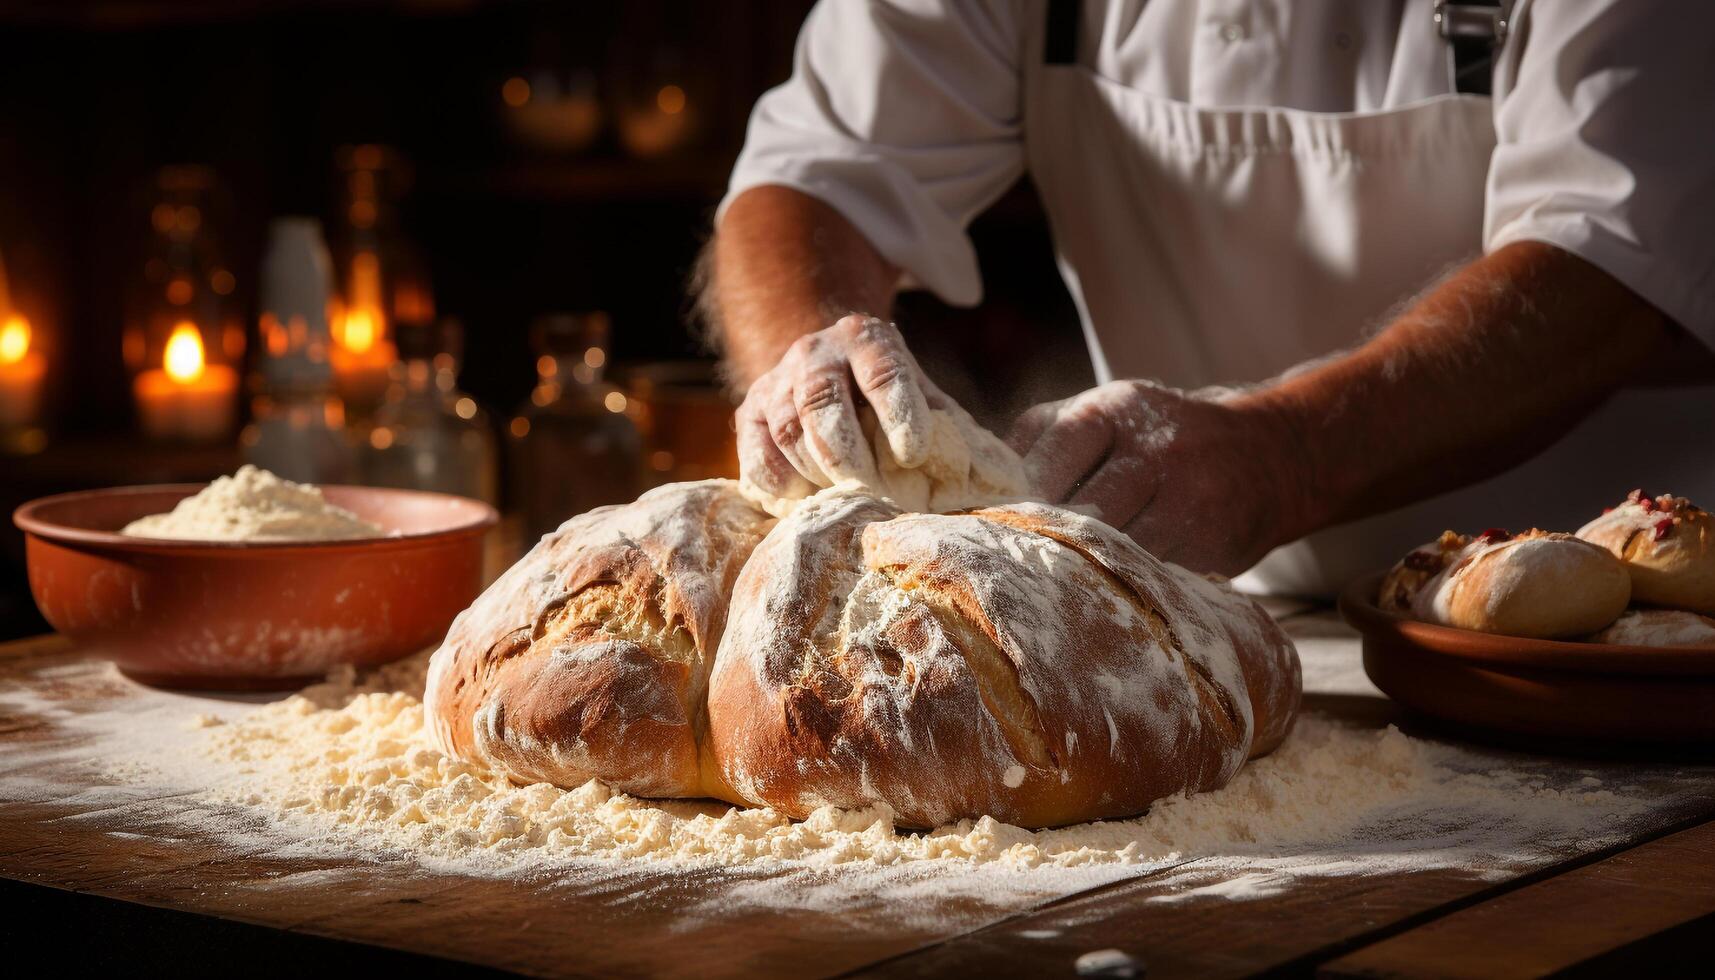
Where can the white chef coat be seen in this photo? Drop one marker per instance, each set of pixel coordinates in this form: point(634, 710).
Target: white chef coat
point(1237, 186)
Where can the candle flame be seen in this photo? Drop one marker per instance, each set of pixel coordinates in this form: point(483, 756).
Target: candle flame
point(359, 333)
point(14, 339)
point(364, 323)
point(184, 357)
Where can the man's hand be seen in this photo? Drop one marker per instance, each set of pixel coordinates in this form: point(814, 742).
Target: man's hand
point(1207, 481)
point(798, 427)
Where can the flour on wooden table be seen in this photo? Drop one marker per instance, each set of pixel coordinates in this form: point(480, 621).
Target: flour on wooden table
point(342, 773)
point(351, 756)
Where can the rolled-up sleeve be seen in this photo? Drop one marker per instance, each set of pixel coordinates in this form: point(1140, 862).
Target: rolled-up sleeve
point(1605, 120)
point(903, 115)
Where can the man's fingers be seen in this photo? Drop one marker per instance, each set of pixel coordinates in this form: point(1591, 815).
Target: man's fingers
point(891, 382)
point(1168, 536)
point(1071, 447)
point(1119, 490)
point(787, 431)
point(833, 437)
point(761, 463)
point(1154, 535)
point(1030, 426)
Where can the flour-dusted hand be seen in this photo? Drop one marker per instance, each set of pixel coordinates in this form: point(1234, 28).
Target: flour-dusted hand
point(1203, 479)
point(798, 428)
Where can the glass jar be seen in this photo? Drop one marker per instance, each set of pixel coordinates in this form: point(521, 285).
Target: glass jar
point(686, 416)
point(573, 444)
point(297, 427)
point(427, 434)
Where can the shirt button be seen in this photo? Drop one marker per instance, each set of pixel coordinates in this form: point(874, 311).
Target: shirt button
point(1232, 32)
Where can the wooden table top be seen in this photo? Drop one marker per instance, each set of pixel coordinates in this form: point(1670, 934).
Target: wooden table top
point(1566, 903)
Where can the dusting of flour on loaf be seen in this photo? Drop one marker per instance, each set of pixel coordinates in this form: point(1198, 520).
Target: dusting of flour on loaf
point(254, 505)
point(350, 759)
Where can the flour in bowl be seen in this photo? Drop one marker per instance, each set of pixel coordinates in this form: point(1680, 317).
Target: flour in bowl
point(255, 505)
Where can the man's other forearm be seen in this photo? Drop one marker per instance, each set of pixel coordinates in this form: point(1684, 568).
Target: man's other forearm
point(782, 265)
point(1485, 370)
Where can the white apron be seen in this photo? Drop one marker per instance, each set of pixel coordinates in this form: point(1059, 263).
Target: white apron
point(1206, 246)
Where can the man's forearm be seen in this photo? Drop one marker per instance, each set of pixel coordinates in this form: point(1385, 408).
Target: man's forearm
point(782, 265)
point(1487, 368)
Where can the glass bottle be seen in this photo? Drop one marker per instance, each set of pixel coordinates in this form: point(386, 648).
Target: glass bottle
point(298, 421)
point(574, 445)
point(429, 435)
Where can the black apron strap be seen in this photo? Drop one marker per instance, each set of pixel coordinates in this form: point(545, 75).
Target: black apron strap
point(1474, 31)
point(1061, 44)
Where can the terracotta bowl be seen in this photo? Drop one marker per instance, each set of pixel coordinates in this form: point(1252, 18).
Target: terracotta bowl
point(1507, 686)
point(245, 615)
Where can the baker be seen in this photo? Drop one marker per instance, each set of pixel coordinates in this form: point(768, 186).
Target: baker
point(1388, 266)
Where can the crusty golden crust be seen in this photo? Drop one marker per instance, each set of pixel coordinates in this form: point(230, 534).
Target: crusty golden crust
point(1021, 662)
point(590, 657)
point(1668, 546)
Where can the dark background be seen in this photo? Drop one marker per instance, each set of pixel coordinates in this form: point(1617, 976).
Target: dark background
point(95, 97)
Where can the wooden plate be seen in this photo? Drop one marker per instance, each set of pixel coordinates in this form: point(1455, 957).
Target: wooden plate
point(1509, 686)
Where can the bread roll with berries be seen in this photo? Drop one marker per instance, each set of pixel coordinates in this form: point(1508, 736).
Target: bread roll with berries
point(1538, 584)
point(1659, 628)
point(1406, 579)
point(1668, 546)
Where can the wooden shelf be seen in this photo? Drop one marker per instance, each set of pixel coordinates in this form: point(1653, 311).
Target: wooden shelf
point(578, 179)
point(111, 460)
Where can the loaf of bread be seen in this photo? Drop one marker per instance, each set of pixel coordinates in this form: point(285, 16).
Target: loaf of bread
point(1021, 661)
point(1659, 628)
point(1668, 546)
point(589, 659)
point(1538, 584)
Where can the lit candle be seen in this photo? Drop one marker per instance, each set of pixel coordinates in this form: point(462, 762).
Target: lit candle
point(21, 372)
point(187, 398)
point(362, 354)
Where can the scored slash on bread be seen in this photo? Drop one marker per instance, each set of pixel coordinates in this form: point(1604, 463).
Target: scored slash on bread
point(1022, 662)
point(1667, 544)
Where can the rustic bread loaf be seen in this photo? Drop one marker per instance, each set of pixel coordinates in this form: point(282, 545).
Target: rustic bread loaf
point(589, 659)
point(1658, 628)
point(1668, 546)
point(1022, 661)
point(1538, 584)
